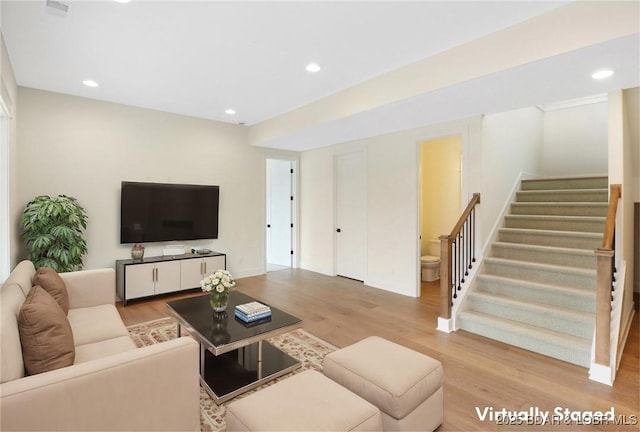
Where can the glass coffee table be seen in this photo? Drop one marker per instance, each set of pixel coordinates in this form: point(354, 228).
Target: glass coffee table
point(234, 356)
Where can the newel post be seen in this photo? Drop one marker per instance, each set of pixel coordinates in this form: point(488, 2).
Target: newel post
point(604, 280)
point(445, 276)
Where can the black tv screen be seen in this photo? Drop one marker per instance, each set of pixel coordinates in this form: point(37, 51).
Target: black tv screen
point(154, 212)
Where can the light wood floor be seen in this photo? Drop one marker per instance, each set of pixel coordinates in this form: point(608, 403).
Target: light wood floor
point(479, 372)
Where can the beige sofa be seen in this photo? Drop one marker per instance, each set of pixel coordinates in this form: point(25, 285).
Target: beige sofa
point(112, 385)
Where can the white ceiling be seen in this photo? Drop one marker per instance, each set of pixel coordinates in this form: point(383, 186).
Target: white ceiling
point(200, 58)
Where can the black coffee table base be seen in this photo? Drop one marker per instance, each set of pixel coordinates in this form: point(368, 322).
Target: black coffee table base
point(227, 375)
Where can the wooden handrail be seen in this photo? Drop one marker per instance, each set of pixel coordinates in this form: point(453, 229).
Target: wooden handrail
point(458, 226)
point(615, 193)
point(605, 258)
point(447, 260)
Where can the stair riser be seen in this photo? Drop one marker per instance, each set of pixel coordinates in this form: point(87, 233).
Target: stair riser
point(568, 183)
point(558, 351)
point(559, 209)
point(532, 293)
point(544, 239)
point(566, 323)
point(545, 257)
point(542, 275)
point(551, 196)
point(555, 225)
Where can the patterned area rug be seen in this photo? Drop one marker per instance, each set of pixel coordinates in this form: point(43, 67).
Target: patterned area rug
point(300, 344)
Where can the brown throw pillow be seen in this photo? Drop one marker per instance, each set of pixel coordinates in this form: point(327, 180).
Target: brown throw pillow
point(45, 333)
point(52, 283)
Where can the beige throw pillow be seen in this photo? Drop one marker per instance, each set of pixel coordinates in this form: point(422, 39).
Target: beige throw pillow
point(52, 283)
point(45, 333)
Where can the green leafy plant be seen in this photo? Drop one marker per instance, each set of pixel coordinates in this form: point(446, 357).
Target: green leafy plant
point(52, 229)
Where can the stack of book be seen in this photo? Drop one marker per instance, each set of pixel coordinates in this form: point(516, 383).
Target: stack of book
point(253, 311)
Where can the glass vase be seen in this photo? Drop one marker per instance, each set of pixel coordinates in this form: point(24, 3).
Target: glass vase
point(219, 334)
point(219, 300)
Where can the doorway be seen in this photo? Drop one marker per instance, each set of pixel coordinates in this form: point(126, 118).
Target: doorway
point(280, 214)
point(440, 200)
point(351, 215)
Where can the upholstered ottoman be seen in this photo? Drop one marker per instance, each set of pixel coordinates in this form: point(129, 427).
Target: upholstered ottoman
point(406, 385)
point(308, 401)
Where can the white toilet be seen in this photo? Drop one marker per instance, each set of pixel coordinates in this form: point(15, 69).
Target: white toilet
point(431, 263)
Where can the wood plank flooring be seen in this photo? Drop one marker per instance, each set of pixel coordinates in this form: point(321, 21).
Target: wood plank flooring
point(479, 373)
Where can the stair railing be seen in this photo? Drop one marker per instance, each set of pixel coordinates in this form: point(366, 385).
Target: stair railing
point(457, 255)
point(605, 277)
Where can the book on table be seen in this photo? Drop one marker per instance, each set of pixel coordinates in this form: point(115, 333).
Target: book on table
point(254, 317)
point(253, 308)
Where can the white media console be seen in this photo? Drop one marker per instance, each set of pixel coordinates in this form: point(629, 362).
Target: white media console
point(164, 274)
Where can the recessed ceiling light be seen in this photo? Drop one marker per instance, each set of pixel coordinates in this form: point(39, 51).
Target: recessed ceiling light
point(230, 111)
point(602, 74)
point(90, 83)
point(122, 1)
point(313, 67)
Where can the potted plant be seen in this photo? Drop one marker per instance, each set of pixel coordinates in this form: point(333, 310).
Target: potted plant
point(52, 229)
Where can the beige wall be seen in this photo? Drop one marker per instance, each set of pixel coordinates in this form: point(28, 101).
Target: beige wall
point(579, 130)
point(85, 148)
point(511, 148)
point(440, 170)
point(393, 193)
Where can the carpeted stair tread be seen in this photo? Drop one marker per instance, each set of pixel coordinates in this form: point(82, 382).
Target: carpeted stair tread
point(570, 257)
point(539, 272)
point(571, 322)
point(568, 239)
point(593, 224)
point(560, 208)
point(551, 343)
point(595, 182)
point(541, 266)
point(564, 195)
point(555, 232)
point(579, 299)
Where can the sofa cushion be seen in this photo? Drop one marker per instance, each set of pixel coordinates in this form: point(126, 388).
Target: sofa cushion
point(98, 350)
point(11, 365)
point(22, 275)
point(96, 324)
point(45, 333)
point(52, 283)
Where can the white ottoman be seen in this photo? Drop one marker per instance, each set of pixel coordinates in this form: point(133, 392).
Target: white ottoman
point(406, 385)
point(308, 401)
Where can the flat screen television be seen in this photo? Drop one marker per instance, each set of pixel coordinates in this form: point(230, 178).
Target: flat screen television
point(156, 212)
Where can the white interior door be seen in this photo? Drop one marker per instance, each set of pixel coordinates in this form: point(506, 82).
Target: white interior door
point(351, 215)
point(279, 212)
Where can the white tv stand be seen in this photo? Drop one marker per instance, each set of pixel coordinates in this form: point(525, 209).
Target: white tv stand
point(164, 274)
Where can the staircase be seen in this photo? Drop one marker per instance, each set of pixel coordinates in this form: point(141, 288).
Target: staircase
point(536, 287)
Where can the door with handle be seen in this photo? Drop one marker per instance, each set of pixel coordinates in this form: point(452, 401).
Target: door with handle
point(279, 212)
point(351, 216)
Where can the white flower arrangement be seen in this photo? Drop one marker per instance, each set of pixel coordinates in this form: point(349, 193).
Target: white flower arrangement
point(220, 280)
